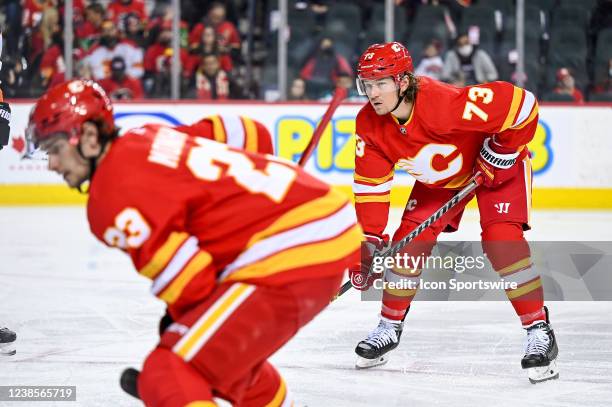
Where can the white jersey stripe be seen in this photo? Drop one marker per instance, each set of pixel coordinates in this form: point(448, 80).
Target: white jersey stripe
point(234, 130)
point(318, 230)
point(176, 265)
point(526, 108)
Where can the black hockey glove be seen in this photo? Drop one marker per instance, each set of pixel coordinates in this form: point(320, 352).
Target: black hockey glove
point(5, 119)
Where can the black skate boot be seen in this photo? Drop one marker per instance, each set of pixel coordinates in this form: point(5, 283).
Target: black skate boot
point(373, 350)
point(541, 351)
point(7, 342)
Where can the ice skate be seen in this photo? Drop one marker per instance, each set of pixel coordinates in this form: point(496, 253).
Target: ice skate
point(373, 350)
point(541, 351)
point(7, 342)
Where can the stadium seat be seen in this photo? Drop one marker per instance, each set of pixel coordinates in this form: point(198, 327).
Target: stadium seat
point(557, 97)
point(422, 35)
point(566, 41)
point(577, 67)
point(585, 4)
point(573, 16)
point(603, 54)
point(545, 5)
point(600, 97)
point(377, 22)
point(505, 6)
point(348, 12)
point(481, 16)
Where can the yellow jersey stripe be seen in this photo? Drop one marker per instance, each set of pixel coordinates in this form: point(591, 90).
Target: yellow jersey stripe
point(279, 397)
point(218, 129)
point(517, 95)
point(197, 263)
point(201, 404)
point(308, 212)
point(527, 288)
point(397, 292)
point(251, 134)
point(521, 264)
point(380, 180)
point(458, 181)
point(205, 327)
point(372, 198)
point(164, 254)
point(301, 256)
point(533, 114)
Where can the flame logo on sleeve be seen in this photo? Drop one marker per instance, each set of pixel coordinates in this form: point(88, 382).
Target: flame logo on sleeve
point(421, 166)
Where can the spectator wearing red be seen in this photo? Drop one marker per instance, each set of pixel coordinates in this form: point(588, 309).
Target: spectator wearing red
point(229, 38)
point(118, 9)
point(109, 46)
point(209, 44)
point(157, 59)
point(133, 30)
point(321, 70)
point(120, 86)
point(212, 83)
point(566, 85)
point(605, 86)
point(90, 30)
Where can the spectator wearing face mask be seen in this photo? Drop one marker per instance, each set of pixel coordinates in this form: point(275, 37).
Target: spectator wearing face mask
point(475, 64)
point(431, 64)
point(227, 33)
point(120, 86)
point(321, 70)
point(566, 85)
point(110, 46)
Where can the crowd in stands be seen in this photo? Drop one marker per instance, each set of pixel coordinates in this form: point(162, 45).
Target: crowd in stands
point(126, 45)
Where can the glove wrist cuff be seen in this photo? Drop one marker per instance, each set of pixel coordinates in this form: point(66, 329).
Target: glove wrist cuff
point(503, 161)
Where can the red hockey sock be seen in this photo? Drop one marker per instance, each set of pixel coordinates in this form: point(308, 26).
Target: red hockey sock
point(268, 389)
point(167, 380)
point(510, 256)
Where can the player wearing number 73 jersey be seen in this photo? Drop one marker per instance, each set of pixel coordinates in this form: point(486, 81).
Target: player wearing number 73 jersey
point(243, 248)
point(442, 135)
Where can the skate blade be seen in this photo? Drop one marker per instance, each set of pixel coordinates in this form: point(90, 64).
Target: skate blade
point(8, 349)
point(543, 373)
point(363, 363)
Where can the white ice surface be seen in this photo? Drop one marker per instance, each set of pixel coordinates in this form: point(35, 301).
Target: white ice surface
point(82, 315)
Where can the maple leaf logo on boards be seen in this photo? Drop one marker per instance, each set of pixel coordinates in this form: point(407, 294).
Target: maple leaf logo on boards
point(19, 144)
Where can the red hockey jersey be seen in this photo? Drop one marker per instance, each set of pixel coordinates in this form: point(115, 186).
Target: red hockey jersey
point(439, 143)
point(235, 131)
point(192, 213)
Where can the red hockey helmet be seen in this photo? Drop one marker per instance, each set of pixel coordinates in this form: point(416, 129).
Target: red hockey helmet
point(379, 61)
point(65, 107)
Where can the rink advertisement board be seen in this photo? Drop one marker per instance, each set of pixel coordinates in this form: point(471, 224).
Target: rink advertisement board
point(570, 151)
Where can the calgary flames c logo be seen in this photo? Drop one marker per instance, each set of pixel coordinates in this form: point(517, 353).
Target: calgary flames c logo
point(420, 166)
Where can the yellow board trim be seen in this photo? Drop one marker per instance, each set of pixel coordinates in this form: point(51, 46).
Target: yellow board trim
point(198, 263)
point(164, 254)
point(250, 131)
point(301, 256)
point(514, 106)
point(543, 198)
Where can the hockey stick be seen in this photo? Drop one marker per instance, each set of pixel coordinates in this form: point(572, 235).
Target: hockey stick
point(339, 95)
point(475, 182)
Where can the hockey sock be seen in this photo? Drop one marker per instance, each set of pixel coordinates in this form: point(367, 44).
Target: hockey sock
point(510, 256)
point(268, 389)
point(167, 380)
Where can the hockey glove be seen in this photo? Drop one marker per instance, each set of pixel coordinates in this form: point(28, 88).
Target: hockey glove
point(359, 274)
point(5, 118)
point(496, 163)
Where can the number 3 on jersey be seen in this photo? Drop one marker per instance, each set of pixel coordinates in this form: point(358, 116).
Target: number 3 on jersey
point(273, 181)
point(475, 93)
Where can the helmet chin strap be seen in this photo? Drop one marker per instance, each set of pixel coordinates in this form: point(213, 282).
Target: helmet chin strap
point(92, 161)
point(400, 97)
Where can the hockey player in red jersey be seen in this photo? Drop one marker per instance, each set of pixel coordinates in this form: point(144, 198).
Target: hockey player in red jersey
point(243, 248)
point(442, 135)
